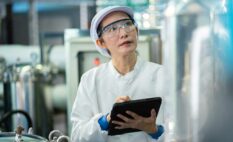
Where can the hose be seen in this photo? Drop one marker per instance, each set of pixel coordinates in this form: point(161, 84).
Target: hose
point(10, 113)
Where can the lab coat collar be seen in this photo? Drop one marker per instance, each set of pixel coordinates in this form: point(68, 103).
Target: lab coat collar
point(130, 75)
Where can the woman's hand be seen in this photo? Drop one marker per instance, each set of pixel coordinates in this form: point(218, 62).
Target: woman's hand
point(121, 99)
point(146, 124)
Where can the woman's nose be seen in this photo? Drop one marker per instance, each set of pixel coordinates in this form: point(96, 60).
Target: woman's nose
point(122, 32)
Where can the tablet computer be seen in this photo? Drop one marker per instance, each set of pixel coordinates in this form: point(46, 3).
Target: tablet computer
point(141, 107)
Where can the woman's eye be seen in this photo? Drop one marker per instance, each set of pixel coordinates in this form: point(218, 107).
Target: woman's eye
point(113, 28)
point(109, 30)
point(128, 24)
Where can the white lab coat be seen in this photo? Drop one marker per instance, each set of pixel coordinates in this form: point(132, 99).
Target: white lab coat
point(96, 95)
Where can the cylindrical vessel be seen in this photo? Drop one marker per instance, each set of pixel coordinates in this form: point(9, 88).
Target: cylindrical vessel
point(10, 137)
point(193, 69)
point(24, 87)
point(43, 120)
point(9, 95)
point(219, 126)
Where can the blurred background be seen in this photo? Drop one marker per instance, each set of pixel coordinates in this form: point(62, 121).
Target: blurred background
point(45, 47)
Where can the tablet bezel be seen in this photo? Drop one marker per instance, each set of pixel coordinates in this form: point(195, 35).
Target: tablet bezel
point(142, 107)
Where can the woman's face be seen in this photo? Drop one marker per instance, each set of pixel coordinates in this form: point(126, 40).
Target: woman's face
point(119, 35)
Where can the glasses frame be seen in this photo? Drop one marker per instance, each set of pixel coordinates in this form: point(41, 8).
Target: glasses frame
point(102, 31)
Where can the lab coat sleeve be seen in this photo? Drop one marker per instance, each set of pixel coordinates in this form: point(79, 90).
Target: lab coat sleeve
point(84, 116)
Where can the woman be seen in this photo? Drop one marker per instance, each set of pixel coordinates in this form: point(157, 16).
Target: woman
point(125, 77)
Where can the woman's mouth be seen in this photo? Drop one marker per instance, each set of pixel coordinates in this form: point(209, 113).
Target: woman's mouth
point(126, 43)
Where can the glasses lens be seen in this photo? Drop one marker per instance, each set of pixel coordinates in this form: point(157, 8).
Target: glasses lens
point(113, 29)
point(128, 26)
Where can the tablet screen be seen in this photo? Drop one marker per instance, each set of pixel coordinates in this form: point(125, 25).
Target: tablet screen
point(141, 107)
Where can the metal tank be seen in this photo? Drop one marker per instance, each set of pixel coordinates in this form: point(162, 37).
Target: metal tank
point(222, 100)
point(198, 72)
point(33, 80)
point(24, 90)
point(21, 136)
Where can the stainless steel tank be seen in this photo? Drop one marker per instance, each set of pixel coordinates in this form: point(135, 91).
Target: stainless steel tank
point(10, 137)
point(198, 72)
point(20, 135)
point(24, 87)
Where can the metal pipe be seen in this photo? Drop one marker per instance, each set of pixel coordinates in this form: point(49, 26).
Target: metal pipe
point(33, 23)
point(9, 23)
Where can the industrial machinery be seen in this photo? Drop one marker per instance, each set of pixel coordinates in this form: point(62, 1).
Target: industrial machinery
point(27, 95)
point(23, 83)
point(20, 136)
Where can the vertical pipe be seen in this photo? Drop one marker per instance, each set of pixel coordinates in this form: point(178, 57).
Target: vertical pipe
point(9, 24)
point(33, 23)
point(83, 16)
point(7, 99)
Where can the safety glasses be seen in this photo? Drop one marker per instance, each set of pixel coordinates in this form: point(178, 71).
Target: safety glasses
point(112, 29)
